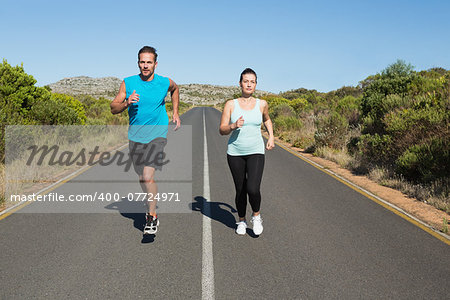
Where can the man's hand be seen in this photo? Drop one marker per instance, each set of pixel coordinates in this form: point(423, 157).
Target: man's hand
point(134, 98)
point(177, 121)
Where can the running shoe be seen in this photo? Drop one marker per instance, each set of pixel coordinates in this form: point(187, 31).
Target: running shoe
point(151, 224)
point(257, 224)
point(241, 227)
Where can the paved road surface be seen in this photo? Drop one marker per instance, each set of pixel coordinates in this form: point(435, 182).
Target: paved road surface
point(321, 240)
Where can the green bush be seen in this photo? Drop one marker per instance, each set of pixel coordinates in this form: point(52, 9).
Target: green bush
point(273, 101)
point(426, 162)
point(53, 112)
point(72, 103)
point(373, 111)
point(401, 122)
point(281, 110)
point(18, 94)
point(182, 106)
point(355, 92)
point(299, 105)
point(331, 131)
point(86, 101)
point(289, 129)
point(375, 149)
point(349, 107)
point(429, 83)
point(395, 79)
point(395, 102)
point(22, 103)
point(99, 113)
point(287, 123)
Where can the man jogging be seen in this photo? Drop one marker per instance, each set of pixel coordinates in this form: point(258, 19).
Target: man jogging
point(144, 95)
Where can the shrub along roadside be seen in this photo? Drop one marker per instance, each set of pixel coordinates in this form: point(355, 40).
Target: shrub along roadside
point(397, 120)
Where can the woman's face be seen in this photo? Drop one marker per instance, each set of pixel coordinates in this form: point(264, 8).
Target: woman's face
point(248, 84)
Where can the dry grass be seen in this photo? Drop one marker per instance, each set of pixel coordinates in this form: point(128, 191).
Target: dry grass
point(20, 178)
point(435, 194)
point(379, 175)
point(302, 138)
point(341, 157)
point(182, 108)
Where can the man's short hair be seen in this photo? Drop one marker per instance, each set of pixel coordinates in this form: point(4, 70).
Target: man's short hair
point(248, 71)
point(147, 49)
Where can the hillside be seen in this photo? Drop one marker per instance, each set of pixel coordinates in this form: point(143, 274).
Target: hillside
point(107, 87)
point(82, 85)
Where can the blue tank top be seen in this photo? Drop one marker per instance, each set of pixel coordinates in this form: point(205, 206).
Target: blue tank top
point(247, 139)
point(148, 117)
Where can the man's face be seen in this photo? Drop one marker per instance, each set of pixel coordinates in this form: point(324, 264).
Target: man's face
point(147, 64)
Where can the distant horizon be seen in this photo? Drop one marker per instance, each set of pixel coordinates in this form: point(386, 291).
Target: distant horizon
point(221, 85)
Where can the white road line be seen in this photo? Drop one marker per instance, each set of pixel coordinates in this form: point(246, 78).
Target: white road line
point(207, 254)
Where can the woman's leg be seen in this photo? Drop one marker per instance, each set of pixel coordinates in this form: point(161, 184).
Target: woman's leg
point(237, 167)
point(254, 170)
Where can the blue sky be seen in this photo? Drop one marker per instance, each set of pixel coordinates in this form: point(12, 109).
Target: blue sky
point(320, 45)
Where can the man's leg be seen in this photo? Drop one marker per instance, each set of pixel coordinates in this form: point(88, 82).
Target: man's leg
point(148, 184)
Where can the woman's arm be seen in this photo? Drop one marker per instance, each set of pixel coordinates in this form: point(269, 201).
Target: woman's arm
point(268, 125)
point(225, 126)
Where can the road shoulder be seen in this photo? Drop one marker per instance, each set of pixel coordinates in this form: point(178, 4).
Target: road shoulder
point(422, 211)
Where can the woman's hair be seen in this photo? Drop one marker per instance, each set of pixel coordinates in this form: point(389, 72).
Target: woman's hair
point(248, 71)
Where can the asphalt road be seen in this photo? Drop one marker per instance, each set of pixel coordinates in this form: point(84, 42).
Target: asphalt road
point(321, 239)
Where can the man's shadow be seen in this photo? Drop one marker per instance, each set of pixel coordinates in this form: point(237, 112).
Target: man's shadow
point(217, 213)
point(134, 210)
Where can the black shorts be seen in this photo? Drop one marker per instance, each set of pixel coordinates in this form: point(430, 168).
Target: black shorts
point(150, 154)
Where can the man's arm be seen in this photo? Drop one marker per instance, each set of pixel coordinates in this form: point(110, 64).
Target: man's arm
point(119, 104)
point(175, 95)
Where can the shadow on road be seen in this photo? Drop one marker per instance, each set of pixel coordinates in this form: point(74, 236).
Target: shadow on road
point(134, 210)
point(219, 211)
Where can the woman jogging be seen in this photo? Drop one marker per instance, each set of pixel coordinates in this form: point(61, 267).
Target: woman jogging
point(242, 118)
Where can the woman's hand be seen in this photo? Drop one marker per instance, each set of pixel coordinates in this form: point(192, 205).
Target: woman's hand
point(239, 123)
point(270, 143)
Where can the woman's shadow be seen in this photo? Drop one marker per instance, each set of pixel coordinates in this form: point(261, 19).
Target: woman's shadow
point(134, 210)
point(216, 212)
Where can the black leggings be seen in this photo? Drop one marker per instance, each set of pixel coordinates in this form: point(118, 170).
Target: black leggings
point(247, 174)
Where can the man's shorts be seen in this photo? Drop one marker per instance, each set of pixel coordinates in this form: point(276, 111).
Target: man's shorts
point(150, 154)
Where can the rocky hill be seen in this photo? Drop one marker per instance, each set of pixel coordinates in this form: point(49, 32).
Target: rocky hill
point(97, 87)
point(107, 87)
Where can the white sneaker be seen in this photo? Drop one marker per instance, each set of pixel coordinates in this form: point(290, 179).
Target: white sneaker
point(241, 227)
point(257, 224)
